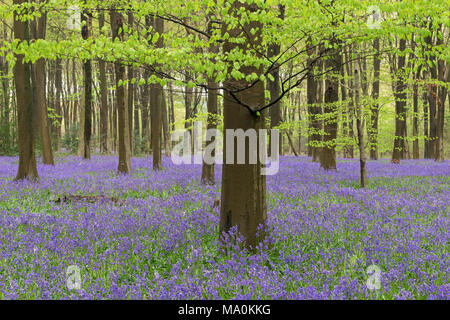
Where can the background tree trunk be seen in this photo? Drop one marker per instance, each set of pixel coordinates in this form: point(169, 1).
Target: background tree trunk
point(130, 91)
point(87, 67)
point(38, 84)
point(103, 96)
point(121, 100)
point(360, 129)
point(400, 104)
point(156, 105)
point(314, 110)
point(373, 136)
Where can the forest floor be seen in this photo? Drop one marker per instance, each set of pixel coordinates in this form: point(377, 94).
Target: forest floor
point(154, 235)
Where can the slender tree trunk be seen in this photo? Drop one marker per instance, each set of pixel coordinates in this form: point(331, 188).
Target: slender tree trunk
point(58, 109)
point(172, 107)
point(156, 99)
point(274, 86)
point(75, 91)
point(443, 75)
point(103, 96)
point(26, 111)
point(121, 99)
point(208, 168)
point(87, 67)
point(415, 119)
point(432, 93)
point(373, 135)
point(38, 84)
point(165, 124)
point(188, 104)
point(130, 90)
point(426, 132)
point(4, 69)
point(350, 109)
point(136, 132)
point(314, 110)
point(145, 98)
point(400, 104)
point(360, 129)
point(243, 187)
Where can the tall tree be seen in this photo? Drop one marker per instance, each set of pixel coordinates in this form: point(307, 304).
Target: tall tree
point(243, 200)
point(117, 20)
point(400, 103)
point(26, 110)
point(131, 87)
point(103, 95)
point(443, 76)
point(374, 110)
point(86, 25)
point(431, 95)
point(208, 168)
point(314, 109)
point(360, 129)
point(156, 100)
point(38, 27)
point(274, 86)
point(328, 154)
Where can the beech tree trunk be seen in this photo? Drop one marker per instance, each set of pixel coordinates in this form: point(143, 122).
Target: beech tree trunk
point(103, 96)
point(432, 101)
point(26, 111)
point(373, 134)
point(328, 154)
point(87, 67)
point(243, 202)
point(274, 86)
point(360, 129)
point(314, 110)
point(156, 100)
point(121, 100)
point(57, 103)
point(39, 92)
point(350, 109)
point(165, 124)
point(130, 91)
point(443, 75)
point(400, 105)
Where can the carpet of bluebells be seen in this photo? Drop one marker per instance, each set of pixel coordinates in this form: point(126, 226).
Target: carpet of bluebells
point(154, 235)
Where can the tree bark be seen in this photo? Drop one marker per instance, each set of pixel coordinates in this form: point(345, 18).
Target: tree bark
point(432, 101)
point(103, 95)
point(165, 124)
point(400, 104)
point(328, 154)
point(207, 168)
point(130, 91)
point(314, 110)
point(360, 129)
point(243, 202)
point(443, 76)
point(121, 100)
point(274, 86)
point(26, 111)
point(38, 84)
point(156, 100)
point(373, 135)
point(350, 109)
point(87, 67)
point(57, 102)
